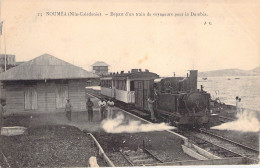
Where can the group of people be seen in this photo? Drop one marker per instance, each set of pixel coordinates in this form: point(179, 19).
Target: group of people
point(103, 108)
point(239, 105)
point(106, 106)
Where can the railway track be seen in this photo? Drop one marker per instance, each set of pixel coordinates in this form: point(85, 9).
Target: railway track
point(223, 119)
point(216, 144)
point(235, 146)
point(140, 157)
point(221, 146)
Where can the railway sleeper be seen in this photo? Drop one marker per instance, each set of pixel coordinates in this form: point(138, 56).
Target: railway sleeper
point(142, 161)
point(225, 153)
point(201, 143)
point(139, 157)
point(215, 149)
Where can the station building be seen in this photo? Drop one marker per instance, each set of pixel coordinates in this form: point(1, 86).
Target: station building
point(100, 68)
point(43, 84)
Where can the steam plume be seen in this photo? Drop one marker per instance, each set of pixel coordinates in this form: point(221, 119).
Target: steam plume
point(119, 125)
point(246, 122)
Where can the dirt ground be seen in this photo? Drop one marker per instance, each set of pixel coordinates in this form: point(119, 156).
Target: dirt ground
point(51, 140)
point(47, 143)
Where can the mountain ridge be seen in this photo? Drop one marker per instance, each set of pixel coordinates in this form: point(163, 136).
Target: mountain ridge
point(231, 72)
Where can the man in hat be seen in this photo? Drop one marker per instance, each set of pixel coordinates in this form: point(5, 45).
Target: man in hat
point(1, 115)
point(237, 103)
point(90, 105)
point(110, 107)
point(102, 105)
point(68, 108)
point(240, 106)
point(150, 107)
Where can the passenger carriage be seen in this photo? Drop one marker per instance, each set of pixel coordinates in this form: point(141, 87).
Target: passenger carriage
point(132, 88)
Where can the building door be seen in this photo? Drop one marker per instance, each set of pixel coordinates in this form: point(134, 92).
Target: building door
point(61, 95)
point(139, 96)
point(30, 98)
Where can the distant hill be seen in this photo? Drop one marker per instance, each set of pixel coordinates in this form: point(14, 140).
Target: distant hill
point(256, 70)
point(231, 72)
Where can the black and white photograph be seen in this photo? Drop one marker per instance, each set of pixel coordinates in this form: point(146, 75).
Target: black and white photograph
point(129, 83)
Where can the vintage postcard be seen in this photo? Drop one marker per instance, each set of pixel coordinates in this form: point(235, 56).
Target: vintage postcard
point(131, 83)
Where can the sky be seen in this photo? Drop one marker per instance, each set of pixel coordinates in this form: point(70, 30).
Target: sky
point(229, 39)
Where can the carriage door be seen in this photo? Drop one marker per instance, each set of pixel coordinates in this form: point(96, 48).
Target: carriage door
point(139, 96)
point(146, 94)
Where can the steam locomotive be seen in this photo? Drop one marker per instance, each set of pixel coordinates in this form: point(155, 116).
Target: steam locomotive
point(177, 99)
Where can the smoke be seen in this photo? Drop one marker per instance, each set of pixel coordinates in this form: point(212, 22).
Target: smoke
point(246, 122)
point(119, 125)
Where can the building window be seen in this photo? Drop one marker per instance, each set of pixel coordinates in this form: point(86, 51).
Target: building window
point(30, 98)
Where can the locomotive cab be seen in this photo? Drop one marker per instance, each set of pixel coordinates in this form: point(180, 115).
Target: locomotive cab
point(179, 100)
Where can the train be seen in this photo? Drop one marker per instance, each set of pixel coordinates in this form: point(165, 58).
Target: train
point(176, 99)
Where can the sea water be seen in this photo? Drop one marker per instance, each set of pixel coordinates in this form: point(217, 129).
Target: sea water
point(227, 88)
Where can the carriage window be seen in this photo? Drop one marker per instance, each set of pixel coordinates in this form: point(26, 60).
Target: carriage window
point(110, 84)
point(132, 86)
point(124, 85)
point(121, 84)
point(117, 84)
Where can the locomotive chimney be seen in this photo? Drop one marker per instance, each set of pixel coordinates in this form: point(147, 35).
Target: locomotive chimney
point(193, 79)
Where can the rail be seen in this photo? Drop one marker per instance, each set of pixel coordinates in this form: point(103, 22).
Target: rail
point(224, 119)
point(101, 151)
point(216, 145)
point(228, 140)
point(232, 146)
point(141, 157)
point(6, 161)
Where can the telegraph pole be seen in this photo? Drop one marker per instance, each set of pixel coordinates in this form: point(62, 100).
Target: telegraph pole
point(4, 44)
point(1, 25)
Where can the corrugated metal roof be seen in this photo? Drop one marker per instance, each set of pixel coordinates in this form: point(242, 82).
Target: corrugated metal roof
point(46, 67)
point(100, 63)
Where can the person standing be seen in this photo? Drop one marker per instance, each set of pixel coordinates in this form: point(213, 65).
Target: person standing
point(237, 102)
point(150, 107)
point(90, 105)
point(1, 115)
point(68, 108)
point(240, 106)
point(110, 107)
point(102, 108)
